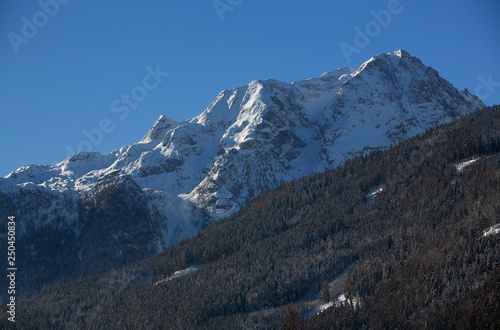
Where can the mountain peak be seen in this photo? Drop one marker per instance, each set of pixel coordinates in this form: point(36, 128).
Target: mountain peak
point(163, 119)
point(398, 53)
point(401, 53)
point(183, 175)
point(160, 127)
point(387, 59)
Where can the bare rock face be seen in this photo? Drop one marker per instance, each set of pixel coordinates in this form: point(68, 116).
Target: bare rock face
point(92, 212)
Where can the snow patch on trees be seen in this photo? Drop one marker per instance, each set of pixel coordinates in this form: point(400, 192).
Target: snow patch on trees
point(371, 196)
point(178, 273)
point(493, 230)
point(460, 166)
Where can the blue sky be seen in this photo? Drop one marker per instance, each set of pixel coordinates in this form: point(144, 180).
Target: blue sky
point(67, 66)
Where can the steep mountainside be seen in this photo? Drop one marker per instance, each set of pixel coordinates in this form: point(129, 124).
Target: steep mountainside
point(405, 238)
point(92, 211)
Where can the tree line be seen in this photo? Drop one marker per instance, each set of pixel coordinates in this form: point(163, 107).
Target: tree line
point(415, 256)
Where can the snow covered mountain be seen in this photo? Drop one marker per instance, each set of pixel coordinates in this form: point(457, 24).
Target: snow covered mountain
point(106, 210)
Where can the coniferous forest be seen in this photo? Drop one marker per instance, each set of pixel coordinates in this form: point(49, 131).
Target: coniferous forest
point(414, 255)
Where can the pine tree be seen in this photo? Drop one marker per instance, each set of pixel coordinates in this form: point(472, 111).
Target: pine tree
point(293, 319)
point(326, 292)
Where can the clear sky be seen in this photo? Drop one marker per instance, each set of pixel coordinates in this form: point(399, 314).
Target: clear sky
point(95, 74)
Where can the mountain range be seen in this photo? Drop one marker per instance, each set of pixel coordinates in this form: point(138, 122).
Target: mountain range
point(92, 212)
point(405, 238)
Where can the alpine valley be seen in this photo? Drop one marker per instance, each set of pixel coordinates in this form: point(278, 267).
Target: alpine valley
point(93, 212)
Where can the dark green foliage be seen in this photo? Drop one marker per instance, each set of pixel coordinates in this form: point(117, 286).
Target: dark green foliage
point(416, 255)
point(325, 292)
point(293, 319)
point(111, 227)
point(480, 308)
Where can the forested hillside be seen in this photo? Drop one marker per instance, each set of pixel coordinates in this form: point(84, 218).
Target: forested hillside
point(92, 212)
point(411, 255)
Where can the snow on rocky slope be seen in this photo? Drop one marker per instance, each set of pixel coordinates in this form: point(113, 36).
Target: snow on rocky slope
point(250, 139)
